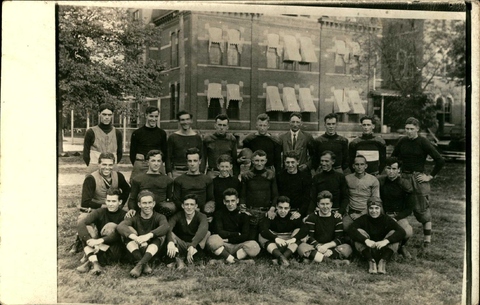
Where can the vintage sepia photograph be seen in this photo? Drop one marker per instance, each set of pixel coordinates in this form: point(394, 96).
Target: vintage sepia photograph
point(223, 153)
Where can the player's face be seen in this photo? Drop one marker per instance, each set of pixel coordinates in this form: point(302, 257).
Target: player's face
point(291, 164)
point(105, 167)
point(295, 123)
point(326, 162)
point(193, 162)
point(331, 126)
point(106, 116)
point(225, 168)
point(185, 121)
point(262, 127)
point(146, 205)
point(221, 126)
point(189, 206)
point(393, 171)
point(231, 202)
point(152, 119)
point(411, 130)
point(359, 165)
point(283, 208)
point(154, 163)
point(367, 126)
point(325, 206)
point(374, 211)
point(112, 203)
point(259, 162)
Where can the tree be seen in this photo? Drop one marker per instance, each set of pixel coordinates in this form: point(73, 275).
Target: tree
point(100, 59)
point(457, 53)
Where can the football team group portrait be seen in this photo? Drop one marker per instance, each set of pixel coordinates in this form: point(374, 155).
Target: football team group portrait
point(243, 157)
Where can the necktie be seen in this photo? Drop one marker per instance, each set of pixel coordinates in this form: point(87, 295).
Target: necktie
point(294, 140)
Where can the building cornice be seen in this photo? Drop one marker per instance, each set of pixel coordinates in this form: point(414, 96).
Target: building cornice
point(347, 25)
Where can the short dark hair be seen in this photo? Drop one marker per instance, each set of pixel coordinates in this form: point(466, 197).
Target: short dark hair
point(154, 152)
point(292, 154)
point(367, 117)
point(145, 193)
point(259, 153)
point(330, 116)
point(297, 114)
point(230, 192)
point(192, 151)
point(151, 109)
point(114, 192)
point(182, 112)
point(413, 121)
point(104, 106)
point(324, 195)
point(392, 160)
point(328, 152)
point(263, 117)
point(106, 155)
point(224, 158)
point(222, 117)
point(360, 156)
point(283, 199)
point(190, 196)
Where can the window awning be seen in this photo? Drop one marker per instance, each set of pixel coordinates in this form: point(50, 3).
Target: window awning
point(340, 47)
point(274, 42)
point(214, 91)
point(341, 104)
point(233, 94)
point(356, 102)
point(234, 39)
point(306, 101)
point(290, 100)
point(291, 51)
point(355, 48)
point(274, 103)
point(307, 50)
point(215, 36)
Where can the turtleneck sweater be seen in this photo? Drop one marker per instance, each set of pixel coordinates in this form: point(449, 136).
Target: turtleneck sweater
point(259, 189)
point(90, 139)
point(377, 229)
point(145, 139)
point(215, 145)
point(335, 143)
point(232, 225)
point(373, 148)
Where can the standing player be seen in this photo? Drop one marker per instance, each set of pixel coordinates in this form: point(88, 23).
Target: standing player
point(146, 138)
point(413, 150)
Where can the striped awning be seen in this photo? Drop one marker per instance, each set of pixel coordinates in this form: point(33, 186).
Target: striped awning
point(306, 101)
point(290, 100)
point(307, 51)
point(274, 103)
point(340, 47)
point(291, 51)
point(214, 91)
point(215, 36)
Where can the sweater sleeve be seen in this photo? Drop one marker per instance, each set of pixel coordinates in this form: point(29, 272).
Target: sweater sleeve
point(353, 232)
point(351, 154)
point(344, 193)
point(163, 145)
point(168, 159)
point(399, 232)
point(265, 229)
point(172, 222)
point(309, 226)
point(202, 229)
point(437, 158)
point(274, 191)
point(87, 144)
point(339, 234)
point(119, 145)
point(345, 160)
point(124, 227)
point(303, 232)
point(82, 225)
point(133, 147)
point(163, 226)
point(277, 155)
point(124, 187)
point(376, 187)
point(88, 192)
point(170, 190)
point(315, 155)
point(218, 223)
point(382, 149)
point(132, 200)
point(177, 193)
point(244, 230)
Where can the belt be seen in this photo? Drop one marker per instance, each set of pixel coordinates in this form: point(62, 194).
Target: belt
point(181, 168)
point(258, 208)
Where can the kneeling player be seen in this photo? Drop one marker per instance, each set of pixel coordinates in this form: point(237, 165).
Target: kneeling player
point(326, 236)
point(144, 233)
point(281, 235)
point(107, 244)
point(233, 230)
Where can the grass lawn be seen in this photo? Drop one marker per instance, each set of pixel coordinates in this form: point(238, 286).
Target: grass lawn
point(436, 279)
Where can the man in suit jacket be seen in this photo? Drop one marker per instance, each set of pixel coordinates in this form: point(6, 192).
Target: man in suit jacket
point(303, 141)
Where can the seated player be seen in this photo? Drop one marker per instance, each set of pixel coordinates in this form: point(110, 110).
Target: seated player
point(281, 235)
point(155, 181)
point(105, 244)
point(188, 232)
point(376, 236)
point(224, 180)
point(144, 233)
point(325, 231)
point(94, 190)
point(232, 227)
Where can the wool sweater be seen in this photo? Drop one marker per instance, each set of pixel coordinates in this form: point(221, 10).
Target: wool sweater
point(337, 144)
point(160, 185)
point(269, 228)
point(371, 147)
point(324, 229)
point(259, 189)
point(297, 188)
point(157, 225)
point(232, 225)
point(100, 217)
point(192, 232)
point(145, 139)
point(377, 229)
point(335, 183)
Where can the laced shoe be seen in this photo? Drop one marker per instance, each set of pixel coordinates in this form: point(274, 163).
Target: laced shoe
point(147, 269)
point(136, 271)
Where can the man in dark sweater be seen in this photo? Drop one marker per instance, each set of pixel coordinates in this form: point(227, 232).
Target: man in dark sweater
point(413, 150)
point(395, 193)
point(332, 181)
point(146, 138)
point(194, 182)
point(259, 192)
point(294, 184)
point(217, 144)
point(178, 143)
point(262, 140)
point(158, 183)
point(232, 229)
point(325, 231)
point(144, 233)
point(188, 232)
point(224, 180)
point(370, 146)
point(102, 138)
point(333, 142)
point(104, 242)
point(282, 235)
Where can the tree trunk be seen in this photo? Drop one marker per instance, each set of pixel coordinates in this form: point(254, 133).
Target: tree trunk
point(59, 128)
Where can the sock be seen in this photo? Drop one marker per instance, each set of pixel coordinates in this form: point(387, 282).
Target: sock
point(241, 254)
point(146, 258)
point(312, 255)
point(335, 254)
point(292, 247)
point(93, 258)
point(276, 253)
point(137, 256)
point(287, 253)
point(224, 254)
point(427, 232)
point(386, 253)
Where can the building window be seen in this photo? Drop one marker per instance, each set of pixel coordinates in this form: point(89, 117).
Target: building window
point(340, 66)
point(289, 65)
point(447, 110)
point(173, 49)
point(355, 65)
point(275, 116)
point(306, 116)
point(304, 66)
point(214, 109)
point(272, 58)
point(233, 110)
point(136, 15)
point(173, 103)
point(215, 46)
point(234, 48)
point(215, 55)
